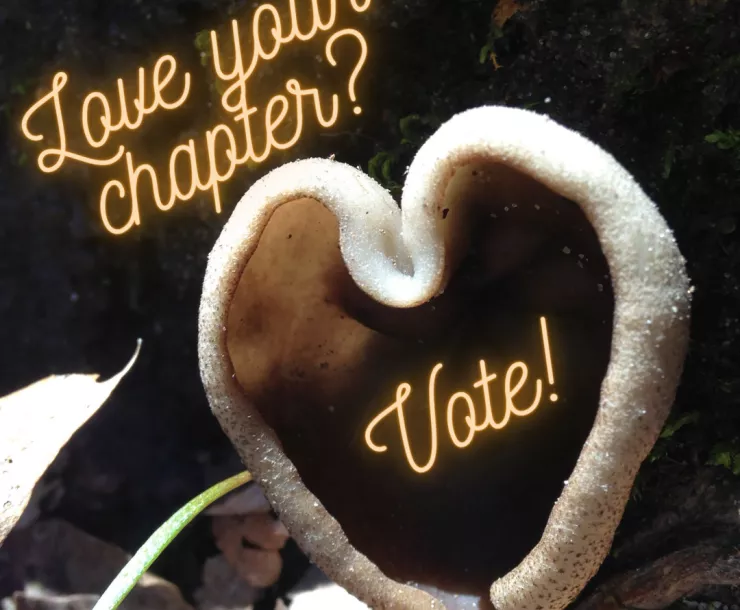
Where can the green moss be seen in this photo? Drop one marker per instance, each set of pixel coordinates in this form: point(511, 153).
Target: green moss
point(725, 140)
point(388, 166)
point(203, 44)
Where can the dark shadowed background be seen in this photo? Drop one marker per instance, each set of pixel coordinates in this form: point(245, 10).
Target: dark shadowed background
point(656, 83)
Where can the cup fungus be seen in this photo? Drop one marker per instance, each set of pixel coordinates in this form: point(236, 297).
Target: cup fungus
point(459, 391)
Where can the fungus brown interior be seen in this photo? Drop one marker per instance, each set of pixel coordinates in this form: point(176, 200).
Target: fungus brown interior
point(320, 359)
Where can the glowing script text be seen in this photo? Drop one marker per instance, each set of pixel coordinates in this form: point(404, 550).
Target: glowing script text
point(206, 164)
point(516, 377)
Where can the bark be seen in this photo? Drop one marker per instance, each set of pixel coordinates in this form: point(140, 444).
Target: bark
point(664, 581)
point(692, 543)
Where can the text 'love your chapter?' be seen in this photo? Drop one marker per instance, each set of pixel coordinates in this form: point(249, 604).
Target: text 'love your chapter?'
point(248, 136)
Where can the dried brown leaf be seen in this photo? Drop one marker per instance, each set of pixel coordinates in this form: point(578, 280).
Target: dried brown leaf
point(223, 589)
point(243, 501)
point(35, 423)
point(505, 10)
point(241, 540)
point(41, 600)
point(64, 568)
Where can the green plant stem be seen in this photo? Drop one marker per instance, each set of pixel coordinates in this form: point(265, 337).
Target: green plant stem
point(160, 539)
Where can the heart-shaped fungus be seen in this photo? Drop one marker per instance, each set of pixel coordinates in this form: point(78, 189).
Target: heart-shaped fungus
point(417, 388)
